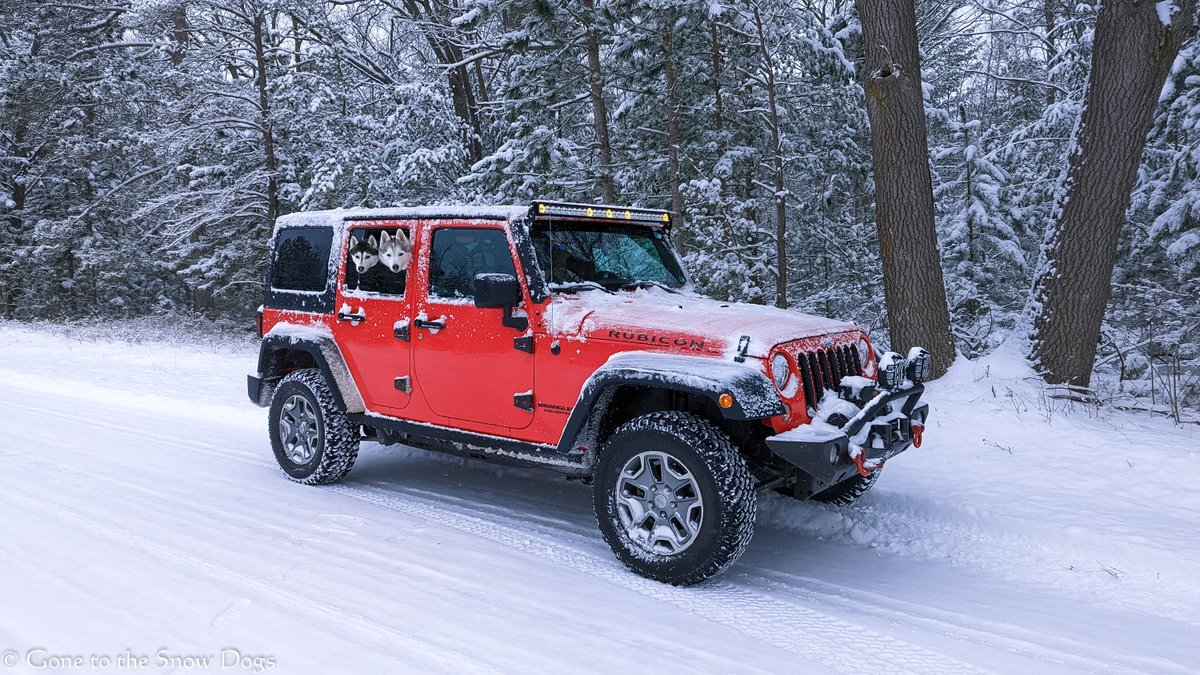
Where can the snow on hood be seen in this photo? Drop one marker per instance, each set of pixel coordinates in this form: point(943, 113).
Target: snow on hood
point(684, 316)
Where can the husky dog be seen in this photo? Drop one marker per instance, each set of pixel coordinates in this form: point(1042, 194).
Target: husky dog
point(395, 252)
point(365, 253)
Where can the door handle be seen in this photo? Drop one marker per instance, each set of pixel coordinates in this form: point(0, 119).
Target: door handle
point(423, 323)
point(351, 317)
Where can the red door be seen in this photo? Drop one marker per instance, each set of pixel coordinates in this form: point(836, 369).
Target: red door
point(371, 325)
point(466, 361)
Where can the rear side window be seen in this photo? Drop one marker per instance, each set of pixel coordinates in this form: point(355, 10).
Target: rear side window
point(302, 259)
point(459, 253)
point(383, 255)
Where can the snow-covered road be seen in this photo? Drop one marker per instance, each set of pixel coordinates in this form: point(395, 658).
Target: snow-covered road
point(141, 514)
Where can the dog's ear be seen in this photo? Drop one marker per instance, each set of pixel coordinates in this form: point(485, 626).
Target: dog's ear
point(384, 238)
point(403, 238)
point(373, 242)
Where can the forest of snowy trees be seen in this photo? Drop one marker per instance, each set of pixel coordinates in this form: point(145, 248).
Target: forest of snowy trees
point(146, 147)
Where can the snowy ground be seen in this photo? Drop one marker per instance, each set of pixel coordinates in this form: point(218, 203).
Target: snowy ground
point(141, 514)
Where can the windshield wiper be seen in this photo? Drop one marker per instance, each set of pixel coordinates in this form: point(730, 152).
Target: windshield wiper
point(646, 283)
point(580, 286)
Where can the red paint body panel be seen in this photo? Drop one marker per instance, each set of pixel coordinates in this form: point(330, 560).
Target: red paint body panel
point(465, 375)
point(373, 354)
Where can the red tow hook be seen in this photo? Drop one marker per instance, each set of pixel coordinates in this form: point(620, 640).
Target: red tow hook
point(917, 430)
point(860, 463)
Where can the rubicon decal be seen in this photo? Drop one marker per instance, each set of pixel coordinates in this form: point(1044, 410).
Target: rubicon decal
point(662, 340)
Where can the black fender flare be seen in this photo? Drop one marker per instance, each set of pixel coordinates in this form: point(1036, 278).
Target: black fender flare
point(325, 354)
point(754, 396)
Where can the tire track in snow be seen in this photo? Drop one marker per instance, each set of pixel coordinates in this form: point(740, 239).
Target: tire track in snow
point(1003, 637)
point(521, 526)
point(803, 631)
point(417, 500)
point(446, 655)
point(800, 630)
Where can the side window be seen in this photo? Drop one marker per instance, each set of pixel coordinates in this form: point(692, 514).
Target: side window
point(458, 254)
point(302, 259)
point(377, 260)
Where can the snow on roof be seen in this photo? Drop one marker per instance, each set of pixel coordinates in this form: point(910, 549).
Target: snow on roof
point(333, 217)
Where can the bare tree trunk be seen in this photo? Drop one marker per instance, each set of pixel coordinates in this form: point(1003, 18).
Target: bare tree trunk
point(912, 273)
point(465, 105)
point(180, 32)
point(780, 193)
point(670, 74)
point(1050, 18)
point(599, 107)
point(962, 116)
point(718, 95)
point(264, 110)
point(1132, 56)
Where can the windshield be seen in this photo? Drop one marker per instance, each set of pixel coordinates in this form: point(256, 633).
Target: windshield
point(613, 256)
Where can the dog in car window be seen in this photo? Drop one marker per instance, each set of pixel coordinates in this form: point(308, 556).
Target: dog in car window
point(365, 253)
point(395, 252)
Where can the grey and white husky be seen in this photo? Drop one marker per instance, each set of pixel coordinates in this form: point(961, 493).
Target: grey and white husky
point(395, 252)
point(365, 254)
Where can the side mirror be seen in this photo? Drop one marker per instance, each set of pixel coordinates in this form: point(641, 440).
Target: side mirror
point(496, 290)
point(500, 290)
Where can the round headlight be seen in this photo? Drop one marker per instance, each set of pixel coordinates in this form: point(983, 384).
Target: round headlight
point(891, 370)
point(781, 372)
point(919, 362)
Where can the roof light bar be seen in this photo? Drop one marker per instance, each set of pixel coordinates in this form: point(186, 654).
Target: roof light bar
point(567, 210)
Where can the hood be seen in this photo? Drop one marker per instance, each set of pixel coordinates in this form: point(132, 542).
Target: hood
point(659, 318)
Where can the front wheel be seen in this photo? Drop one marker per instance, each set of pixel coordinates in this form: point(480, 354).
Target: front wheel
point(673, 497)
point(314, 442)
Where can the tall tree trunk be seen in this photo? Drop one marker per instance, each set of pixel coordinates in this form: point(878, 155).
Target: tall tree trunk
point(599, 107)
point(180, 31)
point(1132, 55)
point(675, 179)
point(912, 273)
point(962, 116)
point(264, 110)
point(718, 95)
point(780, 193)
point(465, 106)
point(1050, 19)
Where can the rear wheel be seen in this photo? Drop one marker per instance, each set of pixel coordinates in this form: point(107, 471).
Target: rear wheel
point(314, 442)
point(674, 498)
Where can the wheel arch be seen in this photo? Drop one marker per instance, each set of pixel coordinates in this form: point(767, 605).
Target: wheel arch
point(636, 383)
point(279, 355)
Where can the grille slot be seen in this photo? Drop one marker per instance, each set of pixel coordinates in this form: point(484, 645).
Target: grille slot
point(823, 369)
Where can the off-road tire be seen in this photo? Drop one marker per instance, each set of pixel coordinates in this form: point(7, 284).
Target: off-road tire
point(338, 438)
point(726, 491)
point(848, 491)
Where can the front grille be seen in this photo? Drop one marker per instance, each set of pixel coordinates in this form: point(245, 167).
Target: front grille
point(824, 369)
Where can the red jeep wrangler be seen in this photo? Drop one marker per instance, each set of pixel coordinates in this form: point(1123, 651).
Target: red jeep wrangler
point(566, 336)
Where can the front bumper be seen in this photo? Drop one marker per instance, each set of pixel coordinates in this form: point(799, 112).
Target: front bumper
point(881, 431)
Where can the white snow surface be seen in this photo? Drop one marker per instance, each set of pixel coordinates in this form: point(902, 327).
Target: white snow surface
point(141, 510)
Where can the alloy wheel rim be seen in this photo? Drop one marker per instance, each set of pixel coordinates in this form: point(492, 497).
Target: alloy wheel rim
point(298, 430)
point(659, 503)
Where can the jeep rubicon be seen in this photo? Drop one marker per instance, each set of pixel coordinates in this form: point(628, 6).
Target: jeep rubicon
point(567, 336)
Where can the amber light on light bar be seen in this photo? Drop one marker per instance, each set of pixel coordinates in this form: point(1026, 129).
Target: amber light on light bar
point(606, 212)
